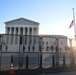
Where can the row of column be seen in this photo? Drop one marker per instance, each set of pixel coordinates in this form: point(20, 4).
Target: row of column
point(26, 40)
point(22, 31)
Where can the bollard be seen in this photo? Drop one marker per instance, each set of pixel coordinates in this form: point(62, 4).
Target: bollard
point(27, 61)
point(40, 61)
point(53, 61)
point(63, 60)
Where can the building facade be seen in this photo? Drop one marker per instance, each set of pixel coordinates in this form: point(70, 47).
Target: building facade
point(51, 41)
point(21, 38)
point(23, 31)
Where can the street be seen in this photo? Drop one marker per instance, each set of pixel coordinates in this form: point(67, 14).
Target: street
point(62, 73)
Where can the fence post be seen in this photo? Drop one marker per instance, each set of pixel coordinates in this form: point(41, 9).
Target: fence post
point(63, 60)
point(40, 61)
point(71, 57)
point(53, 61)
point(27, 61)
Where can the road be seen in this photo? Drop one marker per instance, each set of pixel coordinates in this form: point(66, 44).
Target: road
point(62, 73)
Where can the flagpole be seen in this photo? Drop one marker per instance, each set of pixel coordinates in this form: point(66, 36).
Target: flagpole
point(74, 21)
point(74, 27)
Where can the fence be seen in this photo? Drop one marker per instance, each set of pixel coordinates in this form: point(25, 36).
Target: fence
point(40, 52)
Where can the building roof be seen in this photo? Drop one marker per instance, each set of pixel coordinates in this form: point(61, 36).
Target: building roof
point(22, 21)
point(54, 36)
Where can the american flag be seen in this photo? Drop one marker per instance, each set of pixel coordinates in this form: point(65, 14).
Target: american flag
point(72, 23)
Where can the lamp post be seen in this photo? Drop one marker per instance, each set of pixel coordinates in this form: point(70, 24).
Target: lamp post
point(40, 52)
point(57, 52)
point(20, 51)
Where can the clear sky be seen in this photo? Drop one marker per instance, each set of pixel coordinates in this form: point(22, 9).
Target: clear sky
point(54, 16)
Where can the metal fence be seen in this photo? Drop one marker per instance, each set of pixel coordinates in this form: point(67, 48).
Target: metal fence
point(36, 51)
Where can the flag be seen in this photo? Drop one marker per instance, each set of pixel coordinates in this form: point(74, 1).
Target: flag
point(72, 23)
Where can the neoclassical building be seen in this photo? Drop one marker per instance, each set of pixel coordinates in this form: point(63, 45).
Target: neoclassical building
point(26, 31)
point(22, 26)
point(20, 30)
point(21, 38)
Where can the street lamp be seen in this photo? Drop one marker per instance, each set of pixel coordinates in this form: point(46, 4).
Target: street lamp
point(40, 52)
point(57, 52)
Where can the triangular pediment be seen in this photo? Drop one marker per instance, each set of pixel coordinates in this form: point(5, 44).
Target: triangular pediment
point(21, 21)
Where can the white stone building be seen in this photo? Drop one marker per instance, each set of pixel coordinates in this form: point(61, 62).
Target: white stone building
point(17, 28)
point(28, 30)
point(50, 41)
point(21, 38)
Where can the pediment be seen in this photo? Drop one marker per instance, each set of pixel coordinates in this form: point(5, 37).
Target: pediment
point(21, 21)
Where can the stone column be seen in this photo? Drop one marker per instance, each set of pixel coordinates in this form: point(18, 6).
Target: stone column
point(23, 31)
point(27, 38)
point(7, 36)
point(32, 36)
point(19, 31)
point(36, 39)
point(14, 38)
point(6, 30)
point(27, 31)
point(10, 31)
point(14, 30)
point(36, 31)
point(18, 35)
point(24, 36)
point(32, 31)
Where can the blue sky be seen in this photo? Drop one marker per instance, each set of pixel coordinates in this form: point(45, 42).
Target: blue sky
point(54, 16)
